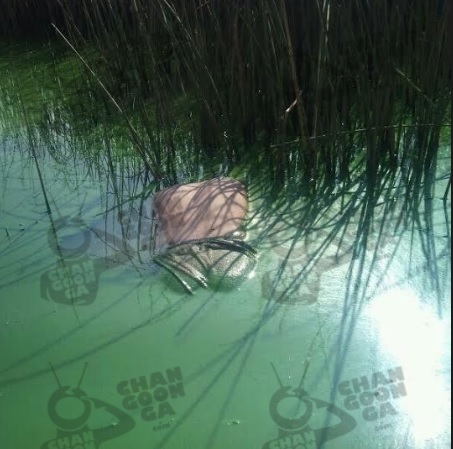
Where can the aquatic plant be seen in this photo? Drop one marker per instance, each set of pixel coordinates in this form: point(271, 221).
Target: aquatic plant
point(322, 97)
point(322, 87)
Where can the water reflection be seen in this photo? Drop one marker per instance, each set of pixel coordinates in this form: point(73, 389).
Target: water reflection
point(425, 338)
point(339, 278)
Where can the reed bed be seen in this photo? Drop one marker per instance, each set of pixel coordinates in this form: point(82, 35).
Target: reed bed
point(316, 85)
point(348, 100)
point(322, 88)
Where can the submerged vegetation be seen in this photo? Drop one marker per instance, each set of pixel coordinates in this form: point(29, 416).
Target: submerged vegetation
point(327, 97)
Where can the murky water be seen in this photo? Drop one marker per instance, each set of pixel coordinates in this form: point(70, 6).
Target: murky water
point(327, 344)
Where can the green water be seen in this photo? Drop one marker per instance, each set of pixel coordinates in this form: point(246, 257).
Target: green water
point(318, 348)
point(228, 352)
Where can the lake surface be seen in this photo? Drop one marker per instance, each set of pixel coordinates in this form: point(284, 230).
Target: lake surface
point(328, 344)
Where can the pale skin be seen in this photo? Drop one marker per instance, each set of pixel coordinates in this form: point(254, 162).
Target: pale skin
point(213, 208)
point(196, 228)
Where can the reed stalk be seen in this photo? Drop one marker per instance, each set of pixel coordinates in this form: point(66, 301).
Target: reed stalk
point(327, 91)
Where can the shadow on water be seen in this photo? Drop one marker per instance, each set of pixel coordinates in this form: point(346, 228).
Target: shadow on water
point(356, 226)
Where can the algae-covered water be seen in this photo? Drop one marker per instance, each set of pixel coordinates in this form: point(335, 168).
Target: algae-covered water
point(98, 348)
point(327, 344)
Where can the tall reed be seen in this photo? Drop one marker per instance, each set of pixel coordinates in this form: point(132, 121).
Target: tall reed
point(327, 90)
